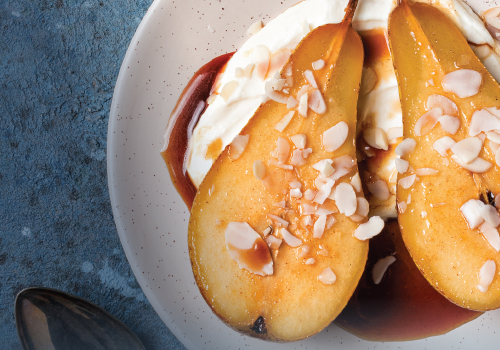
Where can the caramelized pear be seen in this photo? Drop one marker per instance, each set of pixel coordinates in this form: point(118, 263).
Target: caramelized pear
point(450, 122)
point(286, 180)
point(402, 305)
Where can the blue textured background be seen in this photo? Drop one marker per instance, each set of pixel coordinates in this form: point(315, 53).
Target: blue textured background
point(59, 60)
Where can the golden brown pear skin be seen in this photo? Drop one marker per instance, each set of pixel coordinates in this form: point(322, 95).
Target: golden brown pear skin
point(426, 45)
point(291, 304)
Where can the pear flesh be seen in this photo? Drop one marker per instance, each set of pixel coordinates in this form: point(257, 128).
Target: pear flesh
point(449, 103)
point(316, 260)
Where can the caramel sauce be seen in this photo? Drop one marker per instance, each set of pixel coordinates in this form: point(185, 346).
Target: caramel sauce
point(184, 117)
point(255, 258)
point(404, 305)
point(375, 45)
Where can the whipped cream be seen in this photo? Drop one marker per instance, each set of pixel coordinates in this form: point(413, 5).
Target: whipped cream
point(379, 108)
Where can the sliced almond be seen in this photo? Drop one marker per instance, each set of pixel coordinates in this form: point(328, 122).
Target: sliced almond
point(345, 199)
point(319, 64)
point(310, 78)
point(483, 121)
point(335, 137)
point(463, 82)
point(259, 169)
point(283, 123)
point(369, 229)
point(406, 147)
point(490, 214)
point(302, 109)
point(299, 140)
point(228, 89)
point(319, 227)
point(471, 212)
point(426, 171)
point(468, 149)
point(407, 182)
point(442, 145)
point(273, 242)
point(402, 206)
point(449, 107)
point(449, 124)
point(491, 235)
point(401, 165)
point(379, 189)
point(291, 102)
point(486, 275)
point(380, 268)
point(262, 56)
point(237, 146)
point(376, 138)
point(327, 276)
point(255, 27)
point(428, 121)
point(324, 192)
point(316, 102)
point(247, 71)
point(278, 220)
point(356, 183)
point(283, 150)
point(290, 239)
point(478, 165)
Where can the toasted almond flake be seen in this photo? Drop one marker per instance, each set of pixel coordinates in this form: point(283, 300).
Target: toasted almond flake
point(273, 242)
point(303, 251)
point(345, 199)
point(281, 204)
point(238, 72)
point(407, 182)
point(289, 81)
point(310, 78)
point(297, 158)
point(493, 136)
point(283, 150)
point(262, 56)
point(463, 82)
point(291, 102)
point(327, 276)
point(278, 220)
point(255, 27)
point(324, 192)
point(273, 94)
point(442, 145)
point(471, 212)
point(428, 121)
point(247, 71)
point(319, 226)
point(468, 149)
point(277, 84)
point(379, 189)
point(324, 210)
point(402, 206)
point(368, 80)
point(478, 165)
point(394, 133)
point(486, 275)
point(295, 192)
point(299, 140)
point(321, 164)
point(327, 169)
point(295, 184)
point(228, 89)
point(491, 235)
point(494, 148)
point(361, 211)
point(430, 82)
point(319, 64)
point(307, 209)
point(393, 178)
point(356, 183)
point(401, 165)
point(426, 171)
point(323, 251)
point(335, 137)
point(310, 261)
point(320, 181)
point(240, 236)
point(306, 152)
point(376, 138)
point(290, 239)
point(380, 268)
point(316, 102)
point(306, 220)
point(267, 231)
point(212, 98)
point(449, 124)
point(283, 123)
point(342, 166)
point(449, 107)
point(237, 146)
point(483, 121)
point(490, 214)
point(369, 229)
point(309, 194)
point(302, 109)
point(406, 147)
point(259, 169)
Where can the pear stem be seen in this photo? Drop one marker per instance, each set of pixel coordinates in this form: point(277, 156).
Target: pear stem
point(349, 11)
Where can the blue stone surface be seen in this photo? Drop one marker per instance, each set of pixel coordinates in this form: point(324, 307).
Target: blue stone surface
point(59, 60)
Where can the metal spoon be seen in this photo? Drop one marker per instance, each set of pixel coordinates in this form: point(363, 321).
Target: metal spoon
point(49, 319)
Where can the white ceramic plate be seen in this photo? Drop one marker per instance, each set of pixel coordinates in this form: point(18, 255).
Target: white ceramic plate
point(174, 39)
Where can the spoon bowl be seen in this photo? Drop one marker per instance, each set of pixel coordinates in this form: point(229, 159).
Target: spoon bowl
point(51, 320)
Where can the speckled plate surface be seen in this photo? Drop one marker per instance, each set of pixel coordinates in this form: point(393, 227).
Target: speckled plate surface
point(174, 39)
